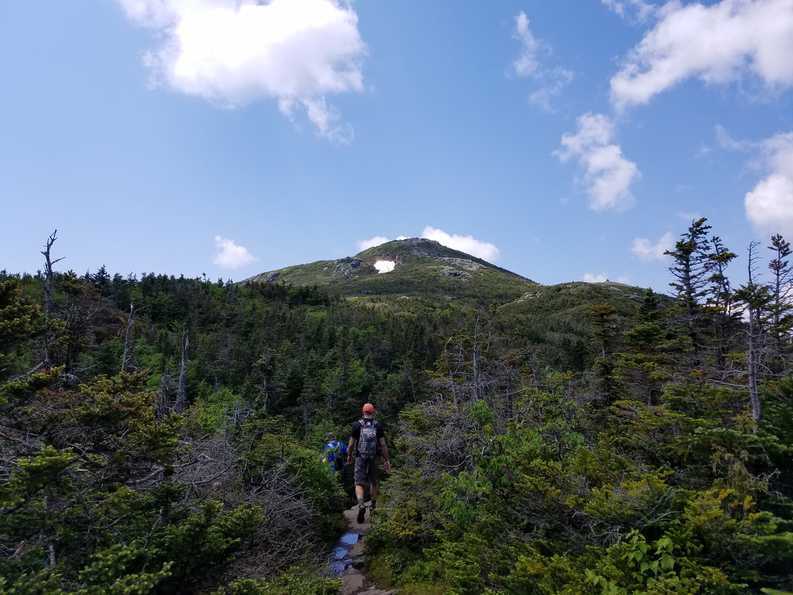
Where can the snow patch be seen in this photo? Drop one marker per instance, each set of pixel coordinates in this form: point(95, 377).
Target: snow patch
point(384, 266)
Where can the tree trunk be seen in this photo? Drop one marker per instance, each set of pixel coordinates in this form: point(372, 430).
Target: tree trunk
point(753, 367)
point(125, 355)
point(49, 292)
point(181, 393)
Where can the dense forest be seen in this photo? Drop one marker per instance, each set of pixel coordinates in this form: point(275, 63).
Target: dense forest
point(162, 434)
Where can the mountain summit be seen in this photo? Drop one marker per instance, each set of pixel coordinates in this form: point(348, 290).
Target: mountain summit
point(412, 266)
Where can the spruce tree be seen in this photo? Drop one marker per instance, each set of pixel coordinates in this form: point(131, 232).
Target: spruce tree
point(781, 308)
point(642, 366)
point(691, 270)
point(720, 300)
point(19, 320)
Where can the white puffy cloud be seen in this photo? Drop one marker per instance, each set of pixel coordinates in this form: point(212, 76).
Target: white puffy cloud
point(232, 52)
point(637, 11)
point(608, 175)
point(769, 205)
point(372, 242)
point(231, 255)
point(550, 81)
point(468, 244)
point(647, 250)
point(594, 278)
point(717, 43)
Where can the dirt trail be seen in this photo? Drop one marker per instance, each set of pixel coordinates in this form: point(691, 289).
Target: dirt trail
point(350, 558)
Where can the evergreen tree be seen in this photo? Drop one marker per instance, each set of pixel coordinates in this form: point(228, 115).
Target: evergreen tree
point(642, 366)
point(720, 302)
point(19, 321)
point(691, 270)
point(781, 306)
point(604, 331)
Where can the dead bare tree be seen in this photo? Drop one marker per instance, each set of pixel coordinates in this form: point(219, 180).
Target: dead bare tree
point(125, 357)
point(756, 298)
point(49, 292)
point(181, 392)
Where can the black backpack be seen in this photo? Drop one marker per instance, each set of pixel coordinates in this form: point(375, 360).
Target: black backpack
point(367, 441)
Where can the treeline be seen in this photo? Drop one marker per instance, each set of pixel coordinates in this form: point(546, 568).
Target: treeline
point(161, 434)
point(663, 467)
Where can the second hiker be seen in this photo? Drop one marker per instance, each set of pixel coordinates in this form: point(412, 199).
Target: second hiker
point(367, 442)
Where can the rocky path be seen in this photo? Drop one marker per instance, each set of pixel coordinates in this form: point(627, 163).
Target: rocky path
point(349, 558)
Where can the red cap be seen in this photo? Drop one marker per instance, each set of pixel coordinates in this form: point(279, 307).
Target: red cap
point(368, 408)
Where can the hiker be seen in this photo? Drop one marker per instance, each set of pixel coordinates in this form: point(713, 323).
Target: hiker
point(367, 442)
point(333, 453)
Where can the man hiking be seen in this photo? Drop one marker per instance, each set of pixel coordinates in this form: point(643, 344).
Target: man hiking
point(367, 442)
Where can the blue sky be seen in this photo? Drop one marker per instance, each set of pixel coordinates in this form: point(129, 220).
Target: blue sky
point(571, 136)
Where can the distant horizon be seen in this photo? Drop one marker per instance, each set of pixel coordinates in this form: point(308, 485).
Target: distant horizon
point(204, 277)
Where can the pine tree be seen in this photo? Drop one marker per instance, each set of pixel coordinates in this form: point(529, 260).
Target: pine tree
point(642, 367)
point(691, 270)
point(604, 331)
point(720, 300)
point(19, 319)
point(781, 308)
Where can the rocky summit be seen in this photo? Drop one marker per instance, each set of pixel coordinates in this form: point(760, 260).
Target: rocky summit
point(408, 267)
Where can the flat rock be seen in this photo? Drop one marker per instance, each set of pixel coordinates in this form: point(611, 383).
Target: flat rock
point(357, 550)
point(352, 582)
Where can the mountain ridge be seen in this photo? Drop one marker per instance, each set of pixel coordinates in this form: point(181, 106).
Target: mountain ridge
point(408, 266)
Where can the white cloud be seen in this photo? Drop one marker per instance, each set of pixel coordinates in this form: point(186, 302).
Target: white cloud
point(717, 43)
point(769, 206)
point(594, 278)
point(550, 81)
point(636, 11)
point(232, 52)
point(607, 174)
point(727, 142)
point(231, 255)
point(384, 266)
point(647, 250)
point(527, 61)
point(468, 244)
point(372, 242)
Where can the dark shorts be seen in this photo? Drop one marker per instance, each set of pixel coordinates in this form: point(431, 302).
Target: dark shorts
point(365, 471)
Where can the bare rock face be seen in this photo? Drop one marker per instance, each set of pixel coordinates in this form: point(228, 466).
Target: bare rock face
point(462, 263)
point(455, 273)
point(347, 267)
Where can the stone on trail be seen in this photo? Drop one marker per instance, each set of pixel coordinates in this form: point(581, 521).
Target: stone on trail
point(352, 582)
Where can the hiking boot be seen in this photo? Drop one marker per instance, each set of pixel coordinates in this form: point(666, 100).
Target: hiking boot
point(361, 513)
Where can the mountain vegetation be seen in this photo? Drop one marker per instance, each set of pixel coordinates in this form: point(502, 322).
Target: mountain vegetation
point(162, 434)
